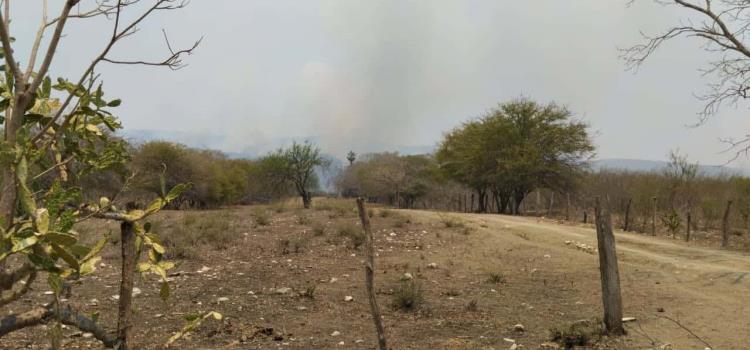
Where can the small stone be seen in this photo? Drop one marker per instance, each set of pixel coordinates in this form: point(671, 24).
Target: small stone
point(136, 291)
point(348, 298)
point(204, 269)
point(301, 308)
point(49, 292)
point(158, 315)
point(115, 297)
point(392, 234)
point(222, 299)
point(509, 340)
point(549, 345)
point(87, 335)
point(333, 280)
point(547, 256)
point(359, 341)
point(628, 319)
point(432, 265)
point(407, 276)
point(335, 334)
point(283, 290)
point(519, 328)
point(341, 343)
point(513, 346)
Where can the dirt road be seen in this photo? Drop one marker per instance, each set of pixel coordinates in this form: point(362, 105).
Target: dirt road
point(705, 290)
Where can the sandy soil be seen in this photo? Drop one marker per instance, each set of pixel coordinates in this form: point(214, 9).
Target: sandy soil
point(546, 283)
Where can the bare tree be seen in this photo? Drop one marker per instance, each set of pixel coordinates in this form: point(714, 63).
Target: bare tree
point(723, 27)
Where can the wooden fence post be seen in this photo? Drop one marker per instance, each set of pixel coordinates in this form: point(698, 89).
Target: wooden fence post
point(626, 224)
point(124, 312)
point(725, 226)
point(689, 222)
point(653, 217)
point(369, 274)
point(608, 269)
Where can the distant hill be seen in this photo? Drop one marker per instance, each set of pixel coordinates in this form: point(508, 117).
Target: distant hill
point(641, 165)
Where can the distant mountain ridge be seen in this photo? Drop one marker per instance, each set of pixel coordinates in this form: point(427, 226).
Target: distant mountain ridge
point(642, 165)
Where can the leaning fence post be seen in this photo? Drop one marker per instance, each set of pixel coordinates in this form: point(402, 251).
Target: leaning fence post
point(610, 275)
point(369, 274)
point(725, 225)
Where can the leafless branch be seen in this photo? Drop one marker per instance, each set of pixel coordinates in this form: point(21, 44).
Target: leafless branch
point(174, 61)
point(17, 293)
point(10, 59)
point(722, 26)
point(158, 5)
point(687, 330)
point(67, 316)
point(37, 42)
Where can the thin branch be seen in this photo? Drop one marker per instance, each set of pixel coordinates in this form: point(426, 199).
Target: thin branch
point(158, 5)
point(687, 330)
point(174, 61)
point(15, 294)
point(37, 43)
point(10, 60)
point(67, 316)
point(52, 48)
point(60, 164)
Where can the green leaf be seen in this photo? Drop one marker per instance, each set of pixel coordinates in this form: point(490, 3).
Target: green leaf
point(24, 243)
point(177, 191)
point(46, 87)
point(143, 267)
point(61, 239)
point(96, 249)
point(158, 248)
point(55, 282)
point(114, 103)
point(41, 220)
point(66, 256)
point(89, 266)
point(155, 206)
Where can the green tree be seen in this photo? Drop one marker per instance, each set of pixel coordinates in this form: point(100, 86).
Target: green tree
point(297, 165)
point(516, 148)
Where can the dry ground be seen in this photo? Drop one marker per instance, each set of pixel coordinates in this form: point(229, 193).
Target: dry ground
point(492, 272)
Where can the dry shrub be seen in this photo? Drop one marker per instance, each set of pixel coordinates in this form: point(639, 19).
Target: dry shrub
point(354, 233)
point(261, 217)
point(183, 240)
point(408, 296)
point(579, 333)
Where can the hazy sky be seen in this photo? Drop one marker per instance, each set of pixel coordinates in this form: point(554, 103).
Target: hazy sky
point(377, 75)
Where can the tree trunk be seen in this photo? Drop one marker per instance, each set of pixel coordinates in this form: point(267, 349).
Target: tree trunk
point(369, 274)
point(472, 202)
point(626, 224)
point(306, 200)
point(567, 207)
point(518, 199)
point(127, 243)
point(725, 226)
point(482, 202)
point(551, 204)
point(608, 269)
point(585, 217)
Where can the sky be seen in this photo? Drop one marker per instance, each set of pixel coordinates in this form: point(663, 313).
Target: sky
point(387, 75)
